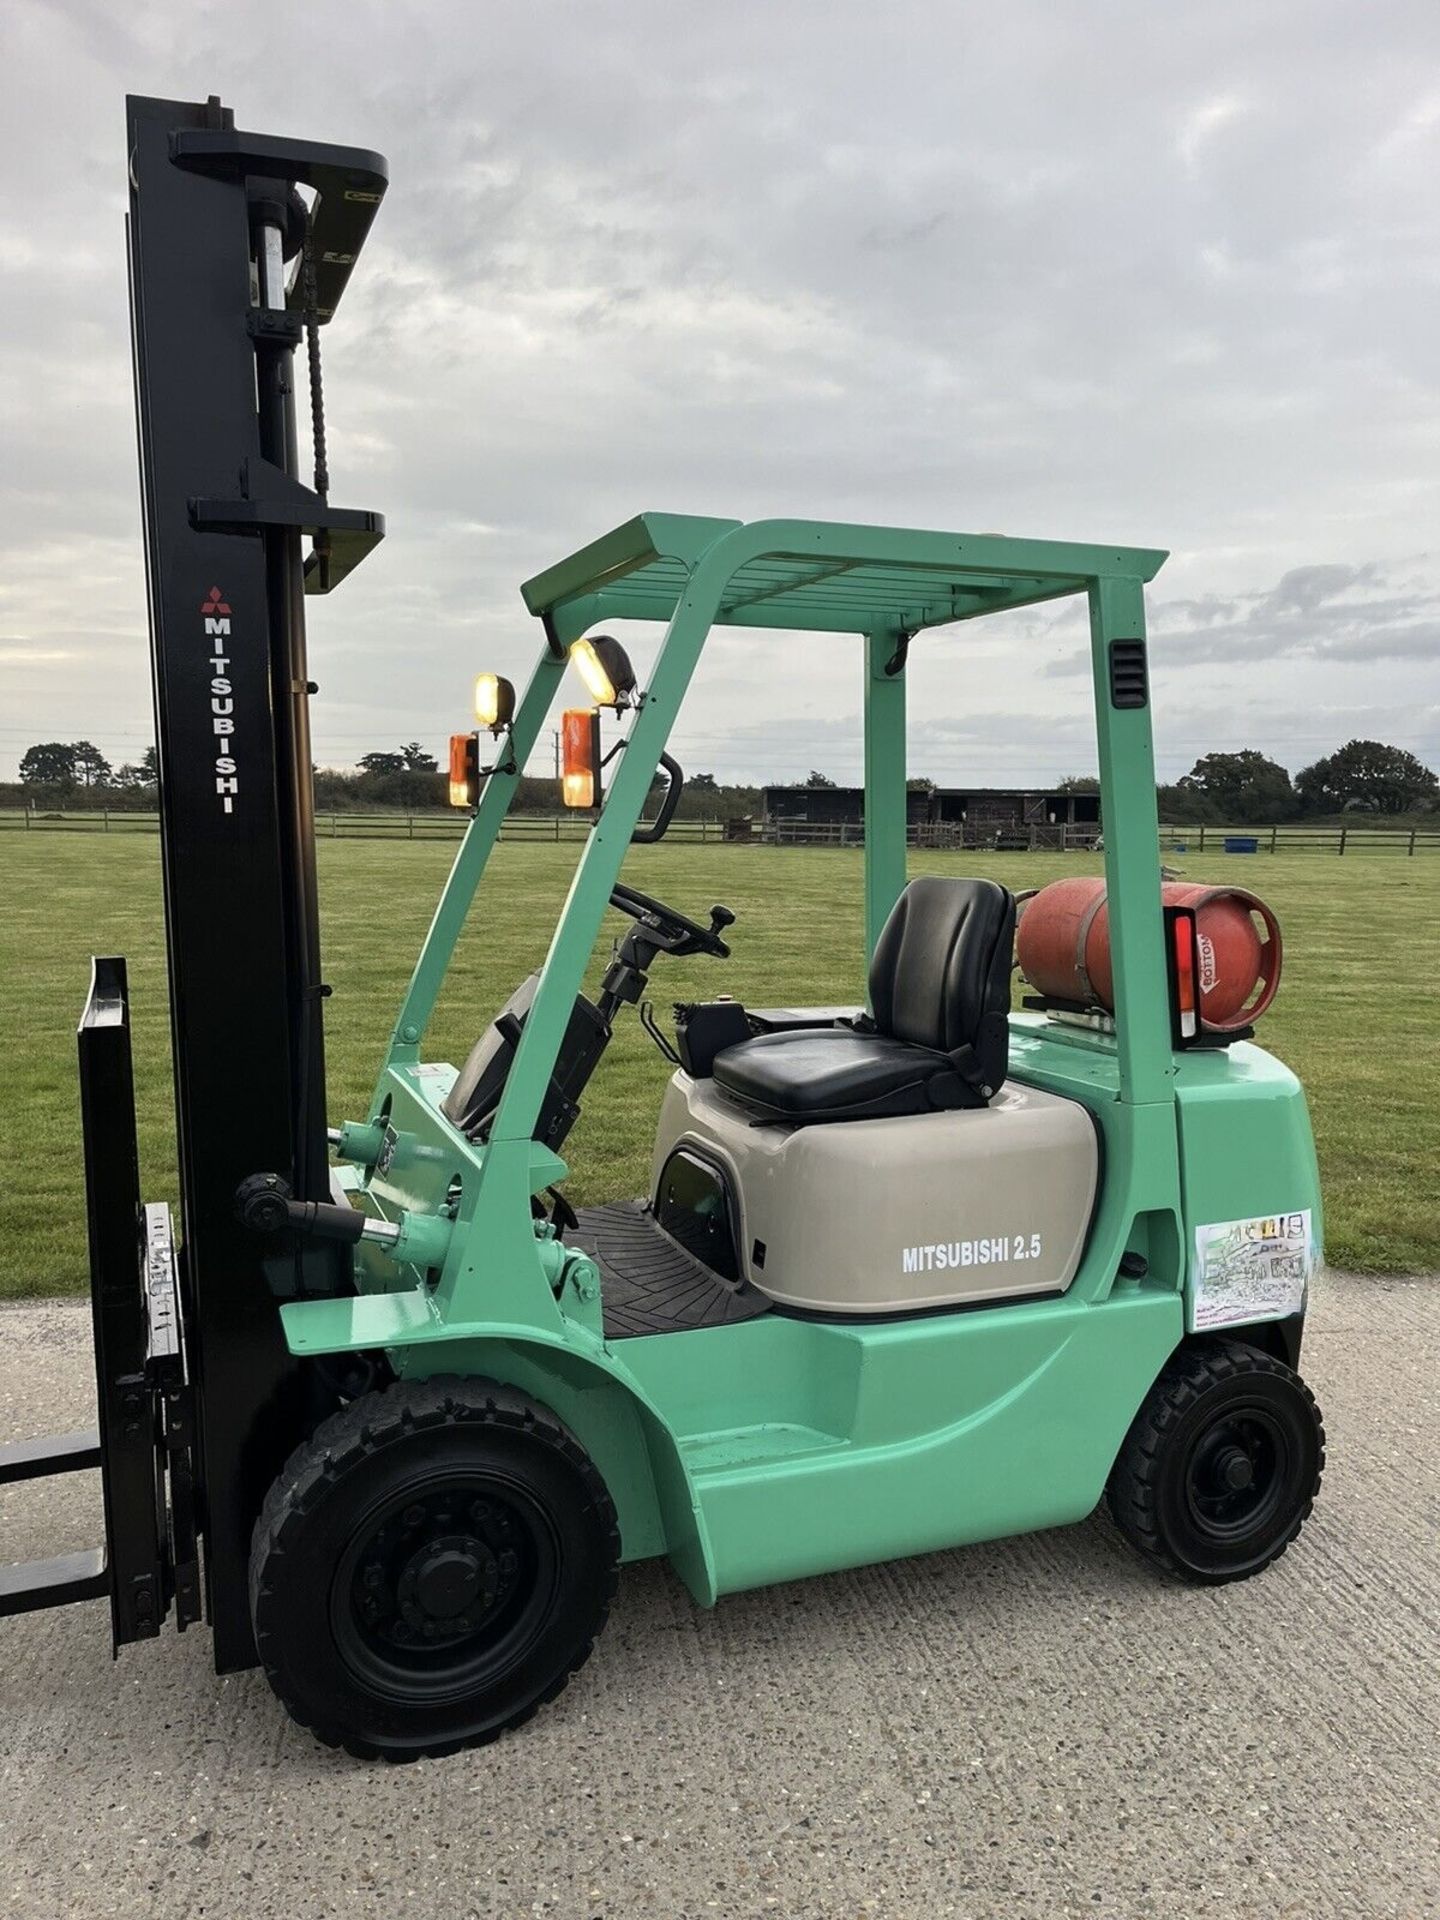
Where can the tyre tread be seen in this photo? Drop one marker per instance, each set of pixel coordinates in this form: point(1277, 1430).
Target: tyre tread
point(345, 1438)
point(1192, 1370)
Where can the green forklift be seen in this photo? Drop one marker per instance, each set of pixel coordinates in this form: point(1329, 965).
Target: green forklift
point(910, 1274)
point(387, 1412)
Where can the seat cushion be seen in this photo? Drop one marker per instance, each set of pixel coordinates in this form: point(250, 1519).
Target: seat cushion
point(829, 1073)
point(942, 964)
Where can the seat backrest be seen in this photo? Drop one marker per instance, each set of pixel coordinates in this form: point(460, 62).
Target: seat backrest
point(940, 973)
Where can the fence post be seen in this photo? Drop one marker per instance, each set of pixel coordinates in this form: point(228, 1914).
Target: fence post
point(410, 824)
point(1411, 848)
point(1274, 832)
point(1343, 832)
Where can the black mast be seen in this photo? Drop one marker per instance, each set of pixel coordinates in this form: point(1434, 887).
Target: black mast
point(214, 219)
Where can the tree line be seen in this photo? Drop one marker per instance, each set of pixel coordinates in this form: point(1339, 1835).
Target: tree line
point(70, 766)
point(1250, 789)
point(1246, 788)
point(74, 773)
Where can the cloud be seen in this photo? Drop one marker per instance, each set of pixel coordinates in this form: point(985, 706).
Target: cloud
point(1321, 614)
point(1105, 274)
point(1201, 124)
point(1303, 589)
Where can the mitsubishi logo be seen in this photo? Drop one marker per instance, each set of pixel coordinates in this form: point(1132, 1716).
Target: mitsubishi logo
point(216, 620)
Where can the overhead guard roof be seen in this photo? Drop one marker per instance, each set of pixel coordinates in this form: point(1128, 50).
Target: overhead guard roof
point(825, 575)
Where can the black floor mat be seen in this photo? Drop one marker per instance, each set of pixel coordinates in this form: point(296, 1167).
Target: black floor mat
point(649, 1283)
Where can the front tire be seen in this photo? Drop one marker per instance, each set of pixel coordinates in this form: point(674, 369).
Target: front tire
point(1222, 1463)
point(430, 1567)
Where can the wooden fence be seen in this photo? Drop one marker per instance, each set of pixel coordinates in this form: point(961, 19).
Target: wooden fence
point(573, 828)
point(1084, 839)
point(1391, 840)
point(936, 834)
point(345, 825)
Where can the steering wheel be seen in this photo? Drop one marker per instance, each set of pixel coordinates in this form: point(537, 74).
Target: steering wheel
point(671, 931)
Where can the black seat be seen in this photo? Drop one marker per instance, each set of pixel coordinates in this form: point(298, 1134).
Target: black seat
point(938, 1035)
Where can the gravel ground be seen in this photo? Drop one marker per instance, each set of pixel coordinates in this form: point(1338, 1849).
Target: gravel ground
point(1039, 1727)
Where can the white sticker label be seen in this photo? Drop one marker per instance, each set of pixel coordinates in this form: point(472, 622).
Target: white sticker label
point(1252, 1269)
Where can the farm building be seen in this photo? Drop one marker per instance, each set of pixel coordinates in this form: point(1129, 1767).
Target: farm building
point(940, 816)
point(1023, 816)
point(829, 806)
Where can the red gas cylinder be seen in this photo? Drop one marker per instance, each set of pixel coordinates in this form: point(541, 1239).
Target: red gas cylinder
point(1063, 943)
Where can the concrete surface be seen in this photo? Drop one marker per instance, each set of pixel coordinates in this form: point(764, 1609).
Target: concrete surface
point(1037, 1728)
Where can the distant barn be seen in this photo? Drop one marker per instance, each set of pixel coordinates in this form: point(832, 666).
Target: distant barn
point(944, 816)
point(829, 806)
point(1004, 816)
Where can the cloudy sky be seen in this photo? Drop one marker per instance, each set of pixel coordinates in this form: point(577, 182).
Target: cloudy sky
point(1159, 274)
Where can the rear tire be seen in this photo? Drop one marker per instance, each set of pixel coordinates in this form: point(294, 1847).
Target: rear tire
point(430, 1568)
point(1222, 1463)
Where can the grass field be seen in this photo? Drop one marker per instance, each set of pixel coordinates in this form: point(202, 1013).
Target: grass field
point(1355, 1017)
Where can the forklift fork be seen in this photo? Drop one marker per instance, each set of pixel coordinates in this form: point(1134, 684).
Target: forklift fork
point(143, 1445)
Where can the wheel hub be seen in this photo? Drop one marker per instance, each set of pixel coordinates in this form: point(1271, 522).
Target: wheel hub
point(449, 1582)
point(440, 1571)
point(1234, 1469)
point(1236, 1474)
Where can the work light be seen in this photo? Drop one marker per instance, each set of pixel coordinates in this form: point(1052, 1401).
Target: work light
point(494, 701)
point(580, 741)
point(604, 666)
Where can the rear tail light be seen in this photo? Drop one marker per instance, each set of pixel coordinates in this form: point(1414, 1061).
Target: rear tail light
point(1182, 941)
point(464, 769)
point(580, 743)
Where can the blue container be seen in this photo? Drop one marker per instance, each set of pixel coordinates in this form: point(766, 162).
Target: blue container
point(1241, 843)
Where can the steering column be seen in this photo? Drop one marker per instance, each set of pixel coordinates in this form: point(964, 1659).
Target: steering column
point(658, 929)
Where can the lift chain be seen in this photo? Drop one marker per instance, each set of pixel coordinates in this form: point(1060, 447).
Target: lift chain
point(312, 352)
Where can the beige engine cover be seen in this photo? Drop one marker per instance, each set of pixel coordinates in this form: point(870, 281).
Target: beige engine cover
point(885, 1216)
